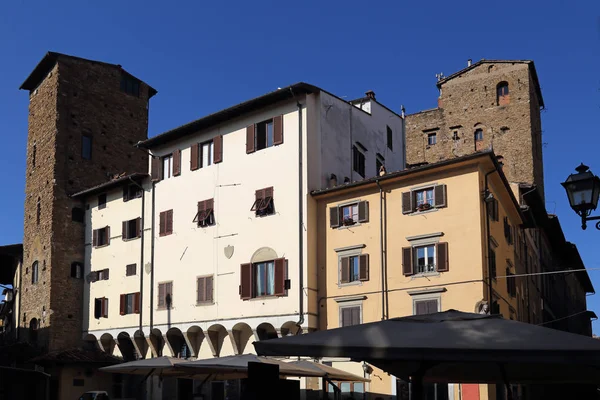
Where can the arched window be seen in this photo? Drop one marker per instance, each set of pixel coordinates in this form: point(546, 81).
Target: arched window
point(76, 270)
point(35, 272)
point(33, 330)
point(502, 97)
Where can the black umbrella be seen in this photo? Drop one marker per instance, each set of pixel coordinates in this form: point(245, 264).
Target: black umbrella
point(453, 346)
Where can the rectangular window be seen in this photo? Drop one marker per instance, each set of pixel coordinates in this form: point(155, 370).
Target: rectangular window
point(101, 201)
point(131, 192)
point(478, 135)
point(101, 308)
point(167, 166)
point(263, 203)
point(350, 316)
point(492, 261)
point(166, 223)
point(205, 215)
point(76, 270)
point(205, 154)
point(358, 161)
point(35, 272)
point(379, 165)
point(165, 294)
point(511, 284)
point(102, 275)
point(77, 214)
point(428, 306)
point(424, 198)
point(432, 139)
point(425, 259)
point(130, 269)
point(350, 214)
point(101, 237)
point(130, 303)
point(508, 231)
point(492, 207)
point(131, 229)
point(264, 135)
point(204, 289)
point(264, 279)
point(86, 147)
point(354, 268)
point(390, 138)
point(130, 85)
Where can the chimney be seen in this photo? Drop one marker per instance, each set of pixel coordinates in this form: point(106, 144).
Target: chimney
point(469, 62)
point(370, 94)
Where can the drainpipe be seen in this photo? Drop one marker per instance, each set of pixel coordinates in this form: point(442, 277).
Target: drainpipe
point(487, 246)
point(141, 253)
point(152, 257)
point(383, 274)
point(300, 224)
point(527, 266)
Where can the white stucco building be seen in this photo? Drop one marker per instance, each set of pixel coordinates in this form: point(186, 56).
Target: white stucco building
point(216, 247)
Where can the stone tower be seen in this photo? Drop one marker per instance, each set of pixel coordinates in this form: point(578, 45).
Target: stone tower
point(84, 119)
point(490, 104)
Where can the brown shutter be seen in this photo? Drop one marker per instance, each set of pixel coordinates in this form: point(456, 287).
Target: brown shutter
point(407, 206)
point(218, 149)
point(442, 257)
point(432, 306)
point(169, 222)
point(162, 223)
point(209, 288)
point(363, 267)
point(278, 130)
point(363, 211)
point(177, 162)
point(95, 237)
point(194, 156)
point(156, 170)
point(355, 315)
point(268, 192)
point(105, 274)
point(250, 139)
point(104, 307)
point(334, 217)
point(407, 263)
point(200, 290)
point(136, 303)
point(439, 195)
point(209, 205)
point(161, 295)
point(345, 272)
point(126, 193)
point(123, 304)
point(107, 233)
point(98, 308)
point(246, 281)
point(346, 316)
point(138, 227)
point(279, 277)
point(124, 230)
point(421, 307)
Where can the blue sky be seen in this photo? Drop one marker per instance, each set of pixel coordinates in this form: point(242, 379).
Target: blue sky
point(204, 56)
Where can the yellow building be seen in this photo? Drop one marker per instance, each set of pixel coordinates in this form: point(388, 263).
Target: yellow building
point(419, 241)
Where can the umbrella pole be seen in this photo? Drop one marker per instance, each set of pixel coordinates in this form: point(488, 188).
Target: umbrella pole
point(416, 388)
point(509, 394)
point(324, 389)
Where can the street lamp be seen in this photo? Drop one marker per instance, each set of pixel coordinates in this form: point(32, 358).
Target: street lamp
point(583, 189)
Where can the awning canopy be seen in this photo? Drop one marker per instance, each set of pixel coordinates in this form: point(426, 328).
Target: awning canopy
point(453, 346)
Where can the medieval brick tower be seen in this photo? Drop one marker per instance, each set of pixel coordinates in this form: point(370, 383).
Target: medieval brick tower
point(490, 104)
point(84, 119)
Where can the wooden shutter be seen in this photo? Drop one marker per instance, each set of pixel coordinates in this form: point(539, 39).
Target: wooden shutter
point(363, 267)
point(105, 274)
point(218, 149)
point(346, 316)
point(407, 206)
point(97, 308)
point(432, 306)
point(123, 304)
point(104, 307)
point(279, 277)
point(442, 257)
point(107, 235)
point(246, 281)
point(355, 315)
point(421, 307)
point(169, 222)
point(162, 223)
point(156, 169)
point(161, 295)
point(138, 227)
point(194, 150)
point(136, 303)
point(278, 130)
point(363, 211)
point(209, 288)
point(334, 217)
point(200, 290)
point(407, 262)
point(345, 270)
point(124, 230)
point(177, 162)
point(439, 195)
point(126, 193)
point(95, 237)
point(250, 139)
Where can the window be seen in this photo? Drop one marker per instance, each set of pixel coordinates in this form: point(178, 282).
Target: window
point(492, 207)
point(423, 259)
point(478, 135)
point(77, 214)
point(33, 155)
point(35, 272)
point(130, 303)
point(358, 161)
point(131, 229)
point(204, 289)
point(350, 315)
point(167, 166)
point(265, 278)
point(205, 154)
point(354, 268)
point(77, 270)
point(264, 134)
point(33, 330)
point(101, 201)
point(426, 306)
point(130, 269)
point(38, 213)
point(348, 390)
point(166, 223)
point(349, 214)
point(511, 283)
point(165, 294)
point(492, 261)
point(86, 147)
point(390, 138)
point(101, 237)
point(508, 231)
point(205, 215)
point(130, 85)
point(455, 135)
point(101, 308)
point(424, 198)
point(432, 138)
point(263, 203)
point(101, 275)
point(379, 165)
point(502, 97)
point(131, 192)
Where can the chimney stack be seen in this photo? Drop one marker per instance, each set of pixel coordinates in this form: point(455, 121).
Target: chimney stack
point(469, 62)
point(370, 94)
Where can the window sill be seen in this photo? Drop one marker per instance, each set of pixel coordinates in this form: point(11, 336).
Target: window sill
point(416, 212)
point(263, 215)
point(130, 239)
point(205, 303)
point(353, 283)
point(165, 234)
point(164, 308)
point(99, 247)
point(341, 227)
point(425, 275)
point(270, 297)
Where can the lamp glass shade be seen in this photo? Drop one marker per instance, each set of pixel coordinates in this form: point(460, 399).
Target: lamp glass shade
point(583, 190)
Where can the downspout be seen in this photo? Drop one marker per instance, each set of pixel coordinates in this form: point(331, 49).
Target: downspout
point(141, 252)
point(527, 268)
point(487, 246)
point(300, 223)
point(383, 280)
point(152, 257)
